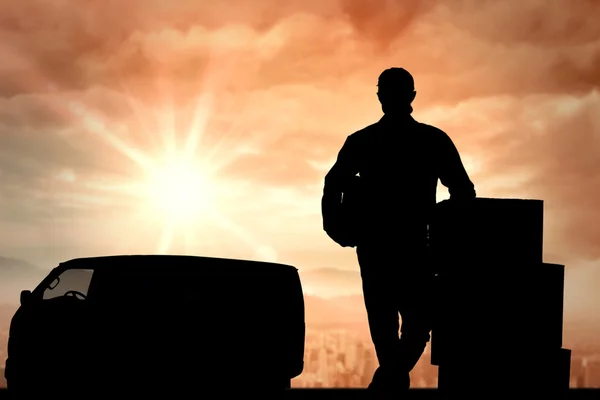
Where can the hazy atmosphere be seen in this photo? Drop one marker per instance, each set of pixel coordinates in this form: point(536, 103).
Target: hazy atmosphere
point(110, 111)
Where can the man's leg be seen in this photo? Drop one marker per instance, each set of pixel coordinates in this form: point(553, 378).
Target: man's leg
point(380, 291)
point(381, 304)
point(416, 311)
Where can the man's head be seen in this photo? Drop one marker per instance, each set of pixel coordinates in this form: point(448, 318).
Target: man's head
point(396, 90)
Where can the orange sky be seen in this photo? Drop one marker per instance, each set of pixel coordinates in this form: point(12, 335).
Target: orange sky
point(275, 88)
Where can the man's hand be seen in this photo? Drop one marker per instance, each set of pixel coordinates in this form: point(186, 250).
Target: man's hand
point(455, 203)
point(452, 211)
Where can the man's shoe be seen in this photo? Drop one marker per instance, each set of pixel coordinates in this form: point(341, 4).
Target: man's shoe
point(389, 383)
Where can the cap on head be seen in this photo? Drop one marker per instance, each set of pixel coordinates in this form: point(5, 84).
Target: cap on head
point(396, 79)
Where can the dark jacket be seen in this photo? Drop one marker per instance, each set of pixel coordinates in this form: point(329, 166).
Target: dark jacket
point(399, 161)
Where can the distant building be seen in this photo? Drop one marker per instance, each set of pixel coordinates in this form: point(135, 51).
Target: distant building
point(591, 367)
point(2, 379)
point(577, 376)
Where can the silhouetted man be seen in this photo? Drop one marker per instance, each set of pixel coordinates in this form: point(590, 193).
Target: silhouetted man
point(399, 162)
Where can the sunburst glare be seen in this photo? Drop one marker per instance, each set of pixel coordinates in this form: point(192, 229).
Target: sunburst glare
point(179, 191)
point(176, 187)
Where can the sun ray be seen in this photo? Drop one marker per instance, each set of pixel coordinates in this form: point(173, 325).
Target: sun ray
point(166, 120)
point(37, 79)
point(166, 238)
point(219, 155)
point(171, 227)
point(168, 129)
point(188, 239)
point(198, 125)
point(97, 126)
point(132, 242)
point(124, 188)
point(135, 107)
point(234, 228)
point(219, 68)
point(218, 159)
point(215, 73)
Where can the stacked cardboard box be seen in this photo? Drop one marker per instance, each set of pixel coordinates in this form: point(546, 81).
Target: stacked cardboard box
point(539, 374)
point(485, 232)
point(499, 311)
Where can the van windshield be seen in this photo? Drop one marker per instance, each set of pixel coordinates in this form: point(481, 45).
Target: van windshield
point(70, 280)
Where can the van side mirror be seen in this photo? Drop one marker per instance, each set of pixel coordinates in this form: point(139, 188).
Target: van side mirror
point(25, 295)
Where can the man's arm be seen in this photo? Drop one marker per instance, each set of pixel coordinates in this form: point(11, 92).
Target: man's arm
point(344, 169)
point(452, 172)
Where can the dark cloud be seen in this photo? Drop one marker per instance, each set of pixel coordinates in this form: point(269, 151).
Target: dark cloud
point(384, 21)
point(456, 49)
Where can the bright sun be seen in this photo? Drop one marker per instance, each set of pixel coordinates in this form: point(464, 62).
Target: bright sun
point(179, 191)
point(175, 191)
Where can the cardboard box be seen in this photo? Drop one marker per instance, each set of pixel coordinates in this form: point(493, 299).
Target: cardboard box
point(518, 306)
point(539, 373)
point(486, 232)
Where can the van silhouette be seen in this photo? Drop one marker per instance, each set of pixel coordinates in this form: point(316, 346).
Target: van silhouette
point(157, 324)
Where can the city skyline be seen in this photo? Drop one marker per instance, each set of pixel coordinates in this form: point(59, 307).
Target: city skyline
point(339, 351)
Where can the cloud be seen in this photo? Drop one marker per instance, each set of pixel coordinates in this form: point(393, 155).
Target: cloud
point(553, 23)
point(384, 21)
point(544, 46)
point(514, 84)
point(545, 147)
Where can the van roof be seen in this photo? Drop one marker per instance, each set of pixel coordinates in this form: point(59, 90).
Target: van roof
point(153, 261)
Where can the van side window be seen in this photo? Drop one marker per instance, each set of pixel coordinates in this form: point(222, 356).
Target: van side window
point(71, 279)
